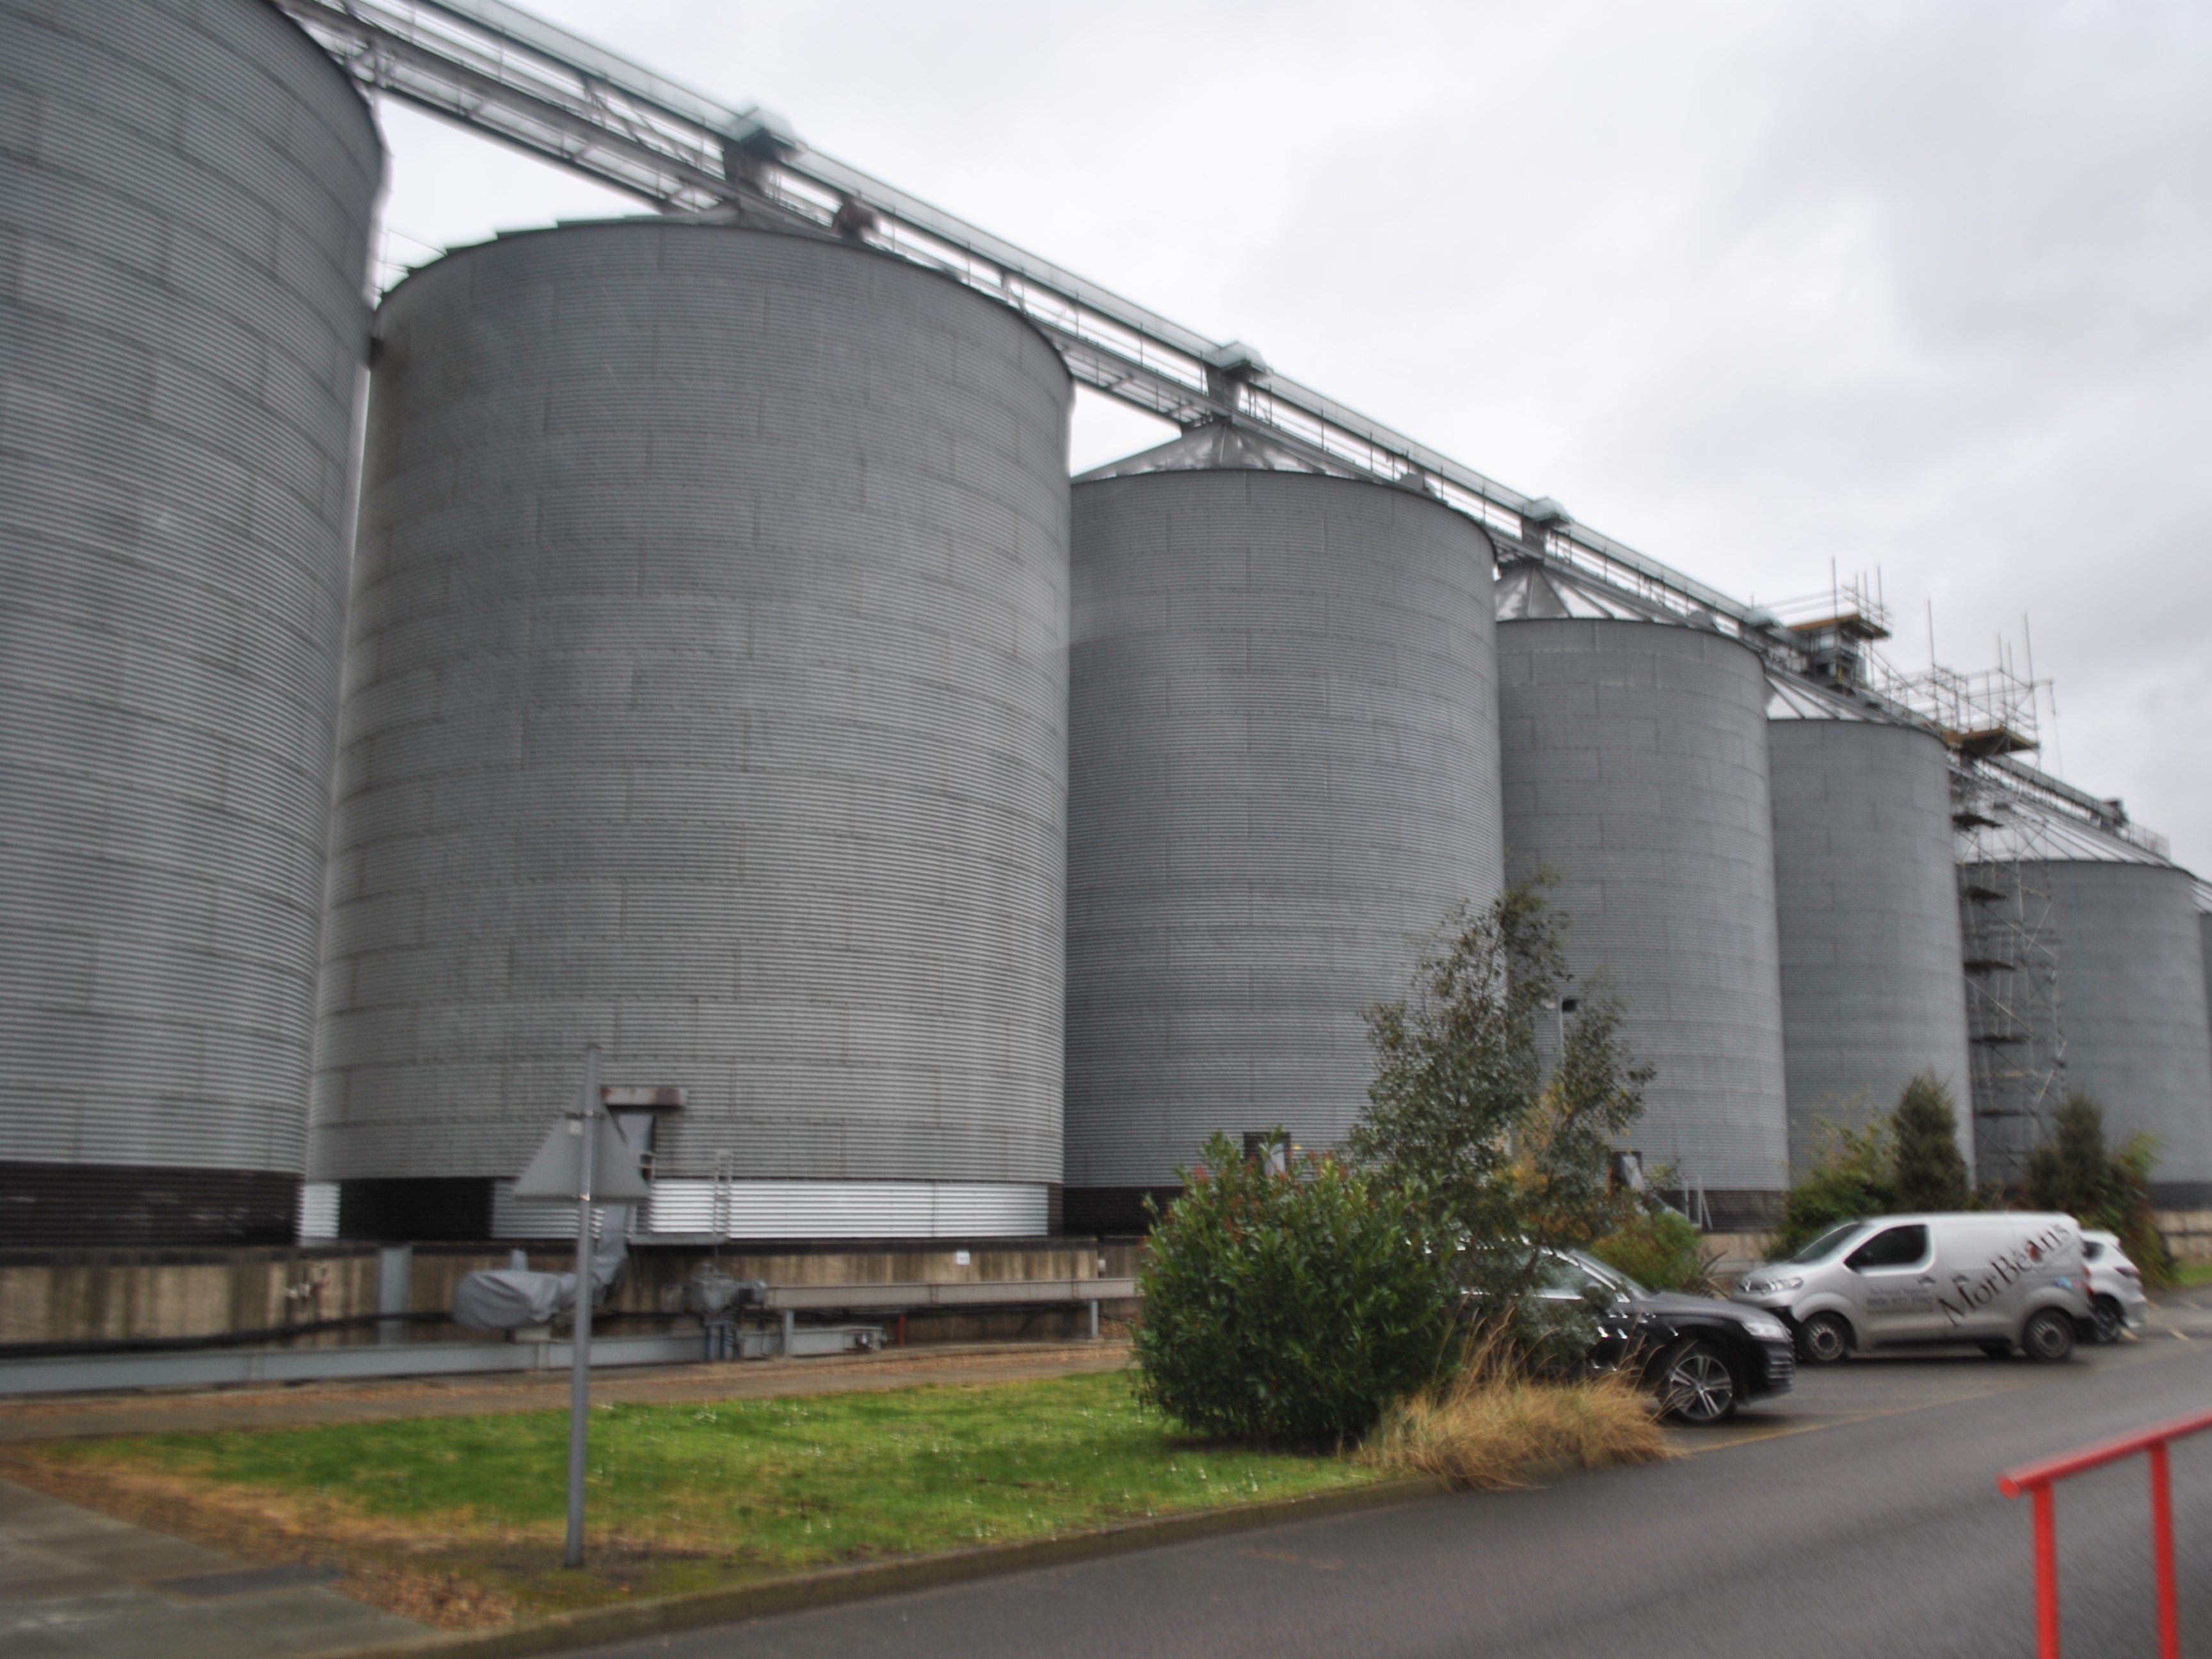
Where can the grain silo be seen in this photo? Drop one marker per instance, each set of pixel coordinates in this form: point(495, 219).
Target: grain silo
point(706, 700)
point(1635, 765)
point(2204, 891)
point(186, 193)
point(1866, 899)
point(1283, 777)
point(2120, 925)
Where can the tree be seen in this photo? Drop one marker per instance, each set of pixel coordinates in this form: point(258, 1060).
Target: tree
point(1460, 1107)
point(2075, 1173)
point(1456, 1065)
point(1930, 1171)
point(2071, 1171)
point(1562, 1188)
point(1289, 1301)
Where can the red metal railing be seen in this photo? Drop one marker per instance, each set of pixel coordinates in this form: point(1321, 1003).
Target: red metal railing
point(2037, 1479)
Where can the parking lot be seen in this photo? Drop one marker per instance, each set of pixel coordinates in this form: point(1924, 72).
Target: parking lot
point(1857, 1515)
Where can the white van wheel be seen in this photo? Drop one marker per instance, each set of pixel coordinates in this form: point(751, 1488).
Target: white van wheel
point(2049, 1336)
point(1823, 1339)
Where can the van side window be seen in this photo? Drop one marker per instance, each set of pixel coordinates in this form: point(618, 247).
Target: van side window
point(1892, 1247)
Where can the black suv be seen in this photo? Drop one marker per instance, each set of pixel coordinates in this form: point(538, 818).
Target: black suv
point(1702, 1356)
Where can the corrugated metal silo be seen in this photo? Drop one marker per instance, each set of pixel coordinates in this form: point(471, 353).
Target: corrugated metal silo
point(2123, 926)
point(1283, 776)
point(2204, 942)
point(1635, 754)
point(1866, 898)
point(186, 192)
point(707, 700)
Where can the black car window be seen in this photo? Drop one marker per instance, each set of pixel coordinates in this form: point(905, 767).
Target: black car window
point(1559, 1273)
point(1892, 1247)
point(1608, 1277)
point(2091, 1249)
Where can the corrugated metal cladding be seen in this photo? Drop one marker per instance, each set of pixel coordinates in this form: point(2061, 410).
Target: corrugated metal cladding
point(1283, 776)
point(1635, 767)
point(2131, 996)
point(706, 700)
point(185, 199)
point(1866, 897)
point(857, 1209)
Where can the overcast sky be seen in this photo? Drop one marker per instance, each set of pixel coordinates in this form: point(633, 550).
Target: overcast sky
point(1751, 287)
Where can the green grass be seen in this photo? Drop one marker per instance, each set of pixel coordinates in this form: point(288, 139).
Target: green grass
point(683, 1497)
point(2194, 1272)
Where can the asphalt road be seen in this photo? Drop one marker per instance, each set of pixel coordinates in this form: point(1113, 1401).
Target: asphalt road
point(1858, 1516)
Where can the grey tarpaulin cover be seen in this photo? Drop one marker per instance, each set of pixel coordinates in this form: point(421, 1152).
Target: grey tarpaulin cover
point(511, 1299)
point(514, 1299)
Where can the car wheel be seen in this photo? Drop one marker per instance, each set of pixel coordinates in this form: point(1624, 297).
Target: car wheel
point(2048, 1336)
point(2111, 1321)
point(1698, 1385)
point(1823, 1339)
point(1999, 1350)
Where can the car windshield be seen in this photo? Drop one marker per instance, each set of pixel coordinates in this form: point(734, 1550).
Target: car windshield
point(1828, 1243)
point(1605, 1274)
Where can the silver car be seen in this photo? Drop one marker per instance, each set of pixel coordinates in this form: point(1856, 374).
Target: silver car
point(1988, 1279)
point(2117, 1302)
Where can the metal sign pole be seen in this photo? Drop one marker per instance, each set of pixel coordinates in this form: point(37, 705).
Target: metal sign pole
point(580, 1380)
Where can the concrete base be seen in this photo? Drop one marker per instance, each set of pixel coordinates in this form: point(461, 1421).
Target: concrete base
point(2188, 1233)
point(313, 1294)
point(78, 1585)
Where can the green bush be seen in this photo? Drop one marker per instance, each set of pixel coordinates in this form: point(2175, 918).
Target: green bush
point(1290, 1305)
point(1854, 1176)
point(1659, 1248)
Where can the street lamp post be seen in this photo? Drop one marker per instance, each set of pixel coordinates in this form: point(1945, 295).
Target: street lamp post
point(579, 1378)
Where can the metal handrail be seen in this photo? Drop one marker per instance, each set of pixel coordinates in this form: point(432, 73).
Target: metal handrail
point(2037, 1480)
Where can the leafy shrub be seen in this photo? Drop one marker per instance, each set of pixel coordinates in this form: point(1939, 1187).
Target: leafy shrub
point(1931, 1172)
point(1659, 1248)
point(1289, 1304)
point(1853, 1175)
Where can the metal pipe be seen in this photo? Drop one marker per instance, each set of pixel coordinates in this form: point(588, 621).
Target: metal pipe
point(579, 1376)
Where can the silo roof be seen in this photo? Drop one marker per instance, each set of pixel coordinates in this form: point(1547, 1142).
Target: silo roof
point(1215, 446)
point(1530, 592)
point(1791, 699)
point(2022, 827)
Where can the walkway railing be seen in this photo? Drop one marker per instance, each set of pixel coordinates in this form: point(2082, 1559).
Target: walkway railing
point(2037, 1480)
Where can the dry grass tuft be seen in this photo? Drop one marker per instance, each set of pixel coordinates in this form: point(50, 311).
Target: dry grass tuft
point(1493, 1426)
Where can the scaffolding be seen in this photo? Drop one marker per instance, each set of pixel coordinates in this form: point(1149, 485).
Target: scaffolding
point(2015, 1034)
point(1979, 715)
point(1834, 629)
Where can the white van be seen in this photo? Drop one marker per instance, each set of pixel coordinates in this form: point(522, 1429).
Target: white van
point(1990, 1279)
